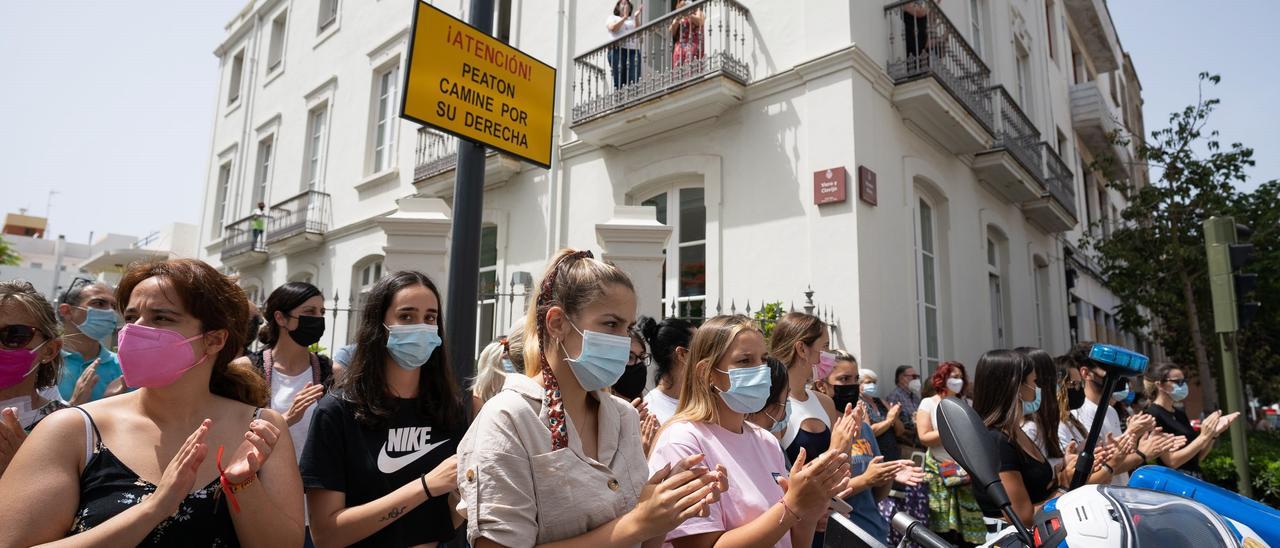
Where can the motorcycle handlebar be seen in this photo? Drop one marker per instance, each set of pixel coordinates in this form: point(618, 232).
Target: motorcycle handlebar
point(916, 532)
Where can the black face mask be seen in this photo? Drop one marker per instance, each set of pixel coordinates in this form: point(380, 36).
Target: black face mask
point(631, 384)
point(309, 331)
point(1075, 397)
point(845, 394)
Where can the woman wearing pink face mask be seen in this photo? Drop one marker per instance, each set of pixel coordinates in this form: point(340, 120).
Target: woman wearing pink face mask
point(186, 458)
point(29, 361)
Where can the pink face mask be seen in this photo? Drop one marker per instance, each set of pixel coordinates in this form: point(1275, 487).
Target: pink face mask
point(154, 357)
point(826, 361)
point(16, 364)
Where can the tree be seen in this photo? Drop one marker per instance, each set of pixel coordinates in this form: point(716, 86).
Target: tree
point(8, 257)
point(1155, 263)
point(1258, 344)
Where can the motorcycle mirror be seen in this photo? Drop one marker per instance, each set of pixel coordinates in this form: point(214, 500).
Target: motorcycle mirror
point(965, 437)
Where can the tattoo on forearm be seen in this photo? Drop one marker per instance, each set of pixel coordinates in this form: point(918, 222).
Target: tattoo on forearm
point(393, 514)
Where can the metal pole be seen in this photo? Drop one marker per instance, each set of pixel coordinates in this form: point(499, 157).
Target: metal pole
point(1231, 383)
point(464, 249)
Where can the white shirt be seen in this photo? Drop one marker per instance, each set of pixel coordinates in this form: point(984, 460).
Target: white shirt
point(628, 25)
point(930, 405)
point(283, 390)
point(1032, 430)
point(1110, 425)
point(661, 406)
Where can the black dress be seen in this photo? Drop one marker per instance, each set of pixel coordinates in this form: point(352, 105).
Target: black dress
point(108, 487)
point(1175, 422)
point(1037, 476)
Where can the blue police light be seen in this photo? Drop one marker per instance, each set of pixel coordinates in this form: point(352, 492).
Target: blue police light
point(1113, 356)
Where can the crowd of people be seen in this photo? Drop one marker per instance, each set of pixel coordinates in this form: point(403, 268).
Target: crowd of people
point(560, 437)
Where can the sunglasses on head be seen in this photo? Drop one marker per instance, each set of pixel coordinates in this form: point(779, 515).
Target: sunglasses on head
point(16, 336)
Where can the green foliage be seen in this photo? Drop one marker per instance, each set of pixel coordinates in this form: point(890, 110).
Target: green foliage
point(1259, 343)
point(1264, 466)
point(8, 257)
point(317, 349)
point(767, 317)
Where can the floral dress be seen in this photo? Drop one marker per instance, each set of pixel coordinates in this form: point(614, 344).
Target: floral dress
point(108, 487)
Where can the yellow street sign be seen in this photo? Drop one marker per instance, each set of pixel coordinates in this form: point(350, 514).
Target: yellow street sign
point(465, 82)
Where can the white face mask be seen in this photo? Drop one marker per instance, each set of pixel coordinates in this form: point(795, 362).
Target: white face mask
point(955, 385)
point(914, 385)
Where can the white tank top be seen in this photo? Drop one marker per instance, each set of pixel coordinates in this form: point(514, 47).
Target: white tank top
point(802, 411)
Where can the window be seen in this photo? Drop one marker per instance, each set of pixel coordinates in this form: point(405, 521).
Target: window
point(1103, 210)
point(927, 288)
point(487, 307)
point(684, 273)
point(328, 15)
point(975, 25)
point(263, 176)
point(1049, 18)
point(237, 70)
point(1099, 326)
point(1040, 278)
point(502, 21)
point(316, 122)
point(221, 202)
point(384, 126)
point(275, 48)
point(1024, 78)
point(996, 292)
point(369, 275)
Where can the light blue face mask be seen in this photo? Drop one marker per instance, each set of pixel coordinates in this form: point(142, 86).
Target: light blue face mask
point(98, 324)
point(602, 361)
point(1180, 392)
point(507, 366)
point(871, 389)
point(412, 345)
point(1029, 407)
point(748, 388)
point(780, 425)
point(1119, 395)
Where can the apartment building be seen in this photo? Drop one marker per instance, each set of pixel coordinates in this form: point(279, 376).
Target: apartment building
point(916, 172)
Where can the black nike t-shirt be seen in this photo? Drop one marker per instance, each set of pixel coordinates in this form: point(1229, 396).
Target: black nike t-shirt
point(368, 463)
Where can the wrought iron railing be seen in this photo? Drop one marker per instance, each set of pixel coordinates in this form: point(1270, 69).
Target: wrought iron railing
point(240, 238)
point(1014, 132)
point(307, 212)
point(702, 39)
point(436, 153)
point(1058, 179)
point(923, 43)
point(146, 240)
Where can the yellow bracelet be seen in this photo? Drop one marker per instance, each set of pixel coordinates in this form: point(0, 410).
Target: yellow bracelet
point(238, 487)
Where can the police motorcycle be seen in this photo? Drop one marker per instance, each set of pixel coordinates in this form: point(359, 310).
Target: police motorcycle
point(1160, 508)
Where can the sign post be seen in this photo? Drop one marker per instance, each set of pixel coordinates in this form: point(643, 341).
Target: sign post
point(464, 82)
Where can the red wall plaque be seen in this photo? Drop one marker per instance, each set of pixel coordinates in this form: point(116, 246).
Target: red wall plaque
point(829, 186)
point(866, 185)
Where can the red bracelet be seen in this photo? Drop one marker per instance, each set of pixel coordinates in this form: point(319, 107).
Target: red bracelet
point(228, 488)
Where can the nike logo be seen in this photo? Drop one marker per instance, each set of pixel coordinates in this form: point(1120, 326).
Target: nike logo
point(405, 439)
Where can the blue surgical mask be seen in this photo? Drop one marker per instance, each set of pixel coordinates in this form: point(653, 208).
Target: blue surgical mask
point(748, 388)
point(98, 324)
point(507, 366)
point(871, 389)
point(1120, 395)
point(602, 361)
point(780, 425)
point(412, 345)
point(1029, 407)
point(1180, 392)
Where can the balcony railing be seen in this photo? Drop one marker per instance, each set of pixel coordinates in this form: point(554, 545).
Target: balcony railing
point(923, 43)
point(436, 153)
point(1058, 179)
point(239, 238)
point(1014, 132)
point(707, 38)
point(305, 213)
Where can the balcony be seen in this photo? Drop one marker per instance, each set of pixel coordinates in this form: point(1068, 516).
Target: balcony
point(666, 74)
point(1013, 165)
point(298, 223)
point(1097, 120)
point(241, 247)
point(1055, 209)
point(941, 85)
point(436, 158)
point(1097, 33)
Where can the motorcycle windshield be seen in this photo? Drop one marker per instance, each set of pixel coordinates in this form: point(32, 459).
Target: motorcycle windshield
point(1161, 519)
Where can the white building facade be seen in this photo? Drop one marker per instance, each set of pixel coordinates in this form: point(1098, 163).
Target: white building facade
point(966, 129)
point(51, 264)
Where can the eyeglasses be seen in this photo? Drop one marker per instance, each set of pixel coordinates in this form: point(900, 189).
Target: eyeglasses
point(642, 357)
point(1179, 382)
point(16, 336)
point(911, 377)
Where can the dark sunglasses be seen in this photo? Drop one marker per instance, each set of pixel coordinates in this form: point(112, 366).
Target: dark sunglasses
point(1179, 382)
point(16, 336)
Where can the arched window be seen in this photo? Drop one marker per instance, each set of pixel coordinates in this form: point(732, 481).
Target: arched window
point(927, 293)
point(684, 273)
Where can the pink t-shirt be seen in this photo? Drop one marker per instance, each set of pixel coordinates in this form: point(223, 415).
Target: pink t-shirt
point(751, 458)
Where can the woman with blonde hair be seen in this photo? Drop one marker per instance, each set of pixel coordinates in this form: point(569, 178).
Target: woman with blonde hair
point(490, 374)
point(554, 457)
point(30, 358)
point(726, 380)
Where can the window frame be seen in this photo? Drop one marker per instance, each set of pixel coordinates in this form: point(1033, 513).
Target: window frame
point(316, 139)
point(264, 161)
point(325, 23)
point(383, 126)
point(222, 197)
point(927, 362)
point(235, 80)
point(976, 27)
point(277, 43)
point(671, 276)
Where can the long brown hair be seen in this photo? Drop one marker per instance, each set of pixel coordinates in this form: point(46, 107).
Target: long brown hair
point(792, 328)
point(572, 280)
point(215, 300)
point(365, 383)
point(710, 343)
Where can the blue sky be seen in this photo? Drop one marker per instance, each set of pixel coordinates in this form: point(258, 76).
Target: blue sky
point(111, 103)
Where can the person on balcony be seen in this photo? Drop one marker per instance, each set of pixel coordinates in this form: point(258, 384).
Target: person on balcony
point(258, 224)
point(624, 55)
point(686, 35)
point(915, 24)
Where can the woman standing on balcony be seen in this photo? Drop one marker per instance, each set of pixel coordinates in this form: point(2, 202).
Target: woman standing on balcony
point(686, 35)
point(624, 55)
